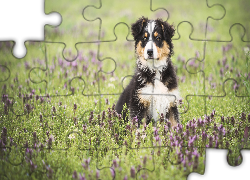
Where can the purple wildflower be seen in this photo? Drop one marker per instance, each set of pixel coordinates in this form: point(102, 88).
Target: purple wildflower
point(32, 166)
point(246, 133)
point(155, 131)
point(125, 177)
point(144, 160)
point(112, 171)
point(75, 176)
point(204, 136)
point(28, 108)
point(115, 163)
point(97, 174)
point(50, 143)
point(232, 120)
point(224, 60)
point(42, 100)
point(107, 101)
point(54, 109)
point(132, 172)
point(236, 87)
point(50, 173)
point(211, 141)
point(221, 71)
point(5, 109)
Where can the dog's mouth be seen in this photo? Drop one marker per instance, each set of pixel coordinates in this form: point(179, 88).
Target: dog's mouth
point(152, 58)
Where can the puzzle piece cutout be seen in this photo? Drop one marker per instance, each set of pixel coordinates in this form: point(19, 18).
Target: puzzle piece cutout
point(34, 8)
point(215, 170)
point(74, 137)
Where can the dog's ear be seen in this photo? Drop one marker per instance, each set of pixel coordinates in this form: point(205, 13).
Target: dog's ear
point(168, 33)
point(168, 30)
point(138, 26)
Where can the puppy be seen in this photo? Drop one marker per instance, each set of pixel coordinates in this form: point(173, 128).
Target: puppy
point(152, 92)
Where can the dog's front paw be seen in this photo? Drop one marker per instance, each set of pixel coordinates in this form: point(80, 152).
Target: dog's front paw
point(173, 103)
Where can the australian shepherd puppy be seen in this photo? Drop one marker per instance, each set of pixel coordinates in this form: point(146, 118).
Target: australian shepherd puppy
point(152, 92)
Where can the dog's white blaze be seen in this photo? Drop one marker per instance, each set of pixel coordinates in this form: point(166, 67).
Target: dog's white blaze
point(160, 98)
point(151, 26)
point(150, 44)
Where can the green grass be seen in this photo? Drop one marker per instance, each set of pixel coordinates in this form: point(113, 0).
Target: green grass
point(44, 136)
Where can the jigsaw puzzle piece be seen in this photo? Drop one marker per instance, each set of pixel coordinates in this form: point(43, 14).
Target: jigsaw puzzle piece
point(233, 120)
point(98, 70)
point(123, 134)
point(84, 75)
point(186, 50)
point(121, 166)
point(126, 13)
point(204, 10)
point(16, 87)
point(5, 71)
point(145, 139)
point(225, 60)
point(120, 52)
point(180, 162)
point(105, 144)
point(73, 76)
point(73, 28)
point(220, 30)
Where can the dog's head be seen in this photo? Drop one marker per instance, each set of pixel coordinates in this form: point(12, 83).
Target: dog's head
point(153, 39)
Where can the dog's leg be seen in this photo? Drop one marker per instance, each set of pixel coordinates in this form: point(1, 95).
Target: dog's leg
point(148, 119)
point(173, 116)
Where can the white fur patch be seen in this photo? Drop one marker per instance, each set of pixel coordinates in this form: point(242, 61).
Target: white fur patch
point(159, 98)
point(150, 45)
point(153, 64)
point(151, 26)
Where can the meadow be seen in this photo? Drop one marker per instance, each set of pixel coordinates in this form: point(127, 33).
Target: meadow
point(57, 116)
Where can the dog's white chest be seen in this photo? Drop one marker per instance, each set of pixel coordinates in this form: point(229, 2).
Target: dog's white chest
point(157, 98)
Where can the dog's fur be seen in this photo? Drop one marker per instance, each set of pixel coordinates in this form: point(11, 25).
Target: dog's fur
point(153, 88)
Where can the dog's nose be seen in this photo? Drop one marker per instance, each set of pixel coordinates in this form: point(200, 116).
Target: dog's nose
point(150, 52)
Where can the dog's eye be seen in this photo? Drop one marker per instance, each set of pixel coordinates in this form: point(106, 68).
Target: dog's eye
point(145, 39)
point(158, 38)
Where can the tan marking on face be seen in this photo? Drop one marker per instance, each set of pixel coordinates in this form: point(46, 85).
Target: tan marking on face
point(164, 51)
point(146, 34)
point(156, 34)
point(162, 27)
point(139, 50)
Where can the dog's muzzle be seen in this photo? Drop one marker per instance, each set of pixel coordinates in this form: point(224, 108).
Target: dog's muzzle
point(150, 53)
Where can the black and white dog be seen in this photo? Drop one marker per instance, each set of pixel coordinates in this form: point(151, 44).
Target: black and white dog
point(153, 88)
